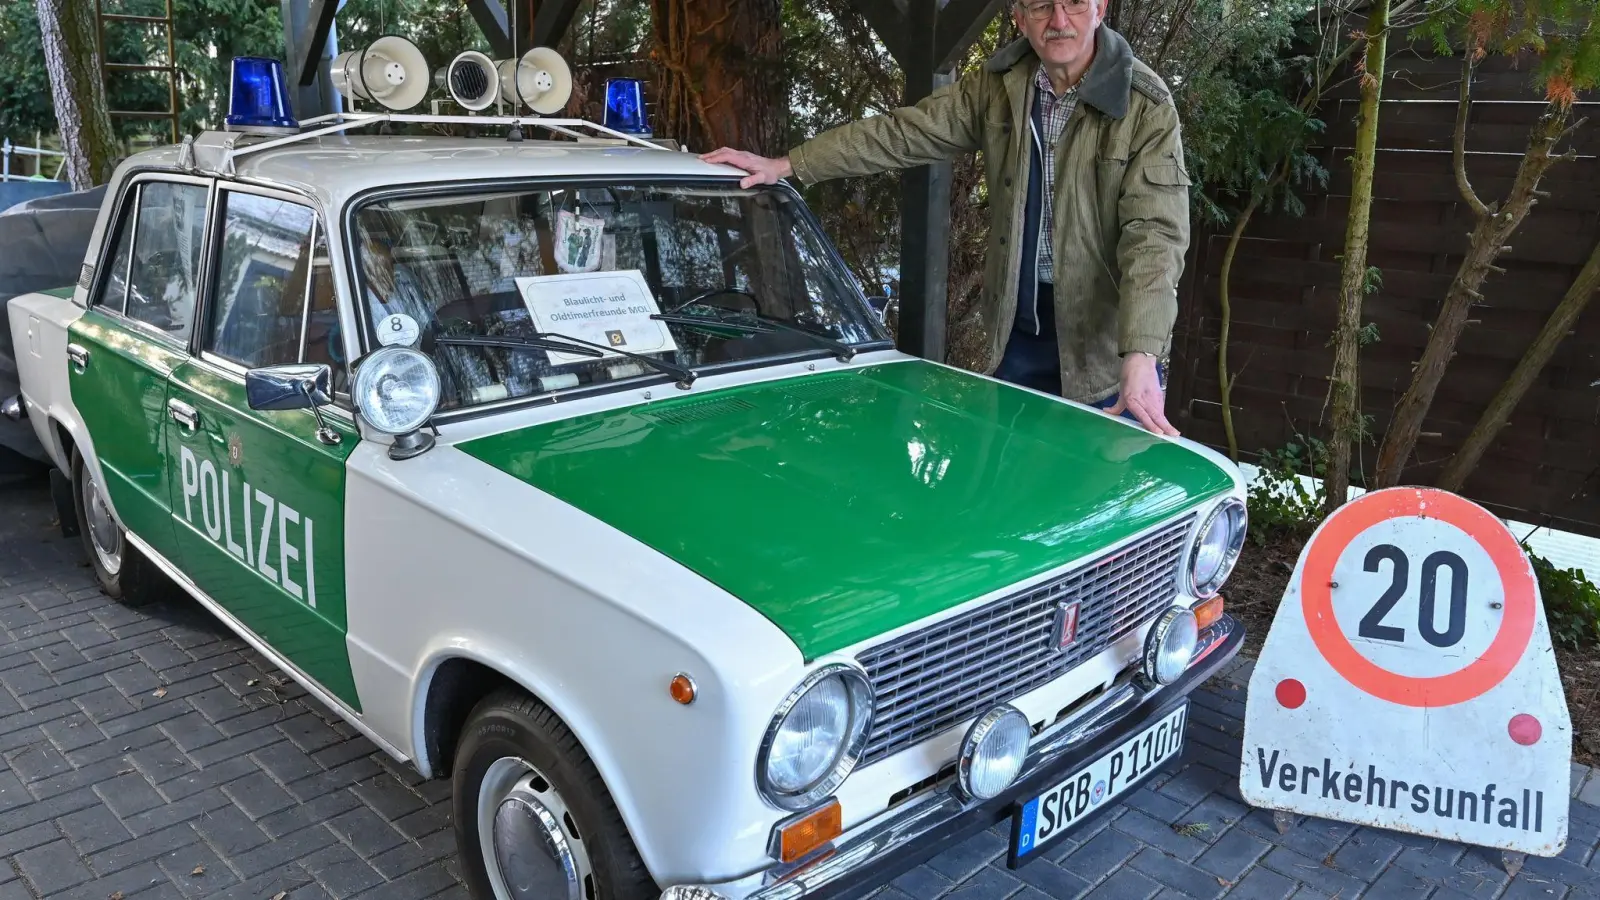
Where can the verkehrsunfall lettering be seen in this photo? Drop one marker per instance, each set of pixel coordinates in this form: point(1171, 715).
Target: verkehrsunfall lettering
point(273, 537)
point(1493, 804)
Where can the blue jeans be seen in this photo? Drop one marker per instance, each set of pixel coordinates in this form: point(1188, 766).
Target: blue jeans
point(1034, 360)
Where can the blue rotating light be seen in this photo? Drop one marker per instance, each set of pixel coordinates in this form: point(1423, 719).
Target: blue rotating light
point(625, 106)
point(259, 100)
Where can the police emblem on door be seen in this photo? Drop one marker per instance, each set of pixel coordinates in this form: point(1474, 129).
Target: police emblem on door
point(235, 449)
point(1067, 625)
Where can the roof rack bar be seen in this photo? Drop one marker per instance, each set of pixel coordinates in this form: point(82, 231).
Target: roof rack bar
point(345, 121)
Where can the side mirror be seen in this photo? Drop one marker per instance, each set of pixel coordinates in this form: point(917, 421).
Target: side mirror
point(293, 387)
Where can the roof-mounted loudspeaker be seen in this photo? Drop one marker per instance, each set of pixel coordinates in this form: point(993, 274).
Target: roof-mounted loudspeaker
point(540, 80)
point(391, 72)
point(471, 80)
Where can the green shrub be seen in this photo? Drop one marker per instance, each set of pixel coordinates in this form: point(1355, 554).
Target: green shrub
point(1279, 502)
point(1571, 603)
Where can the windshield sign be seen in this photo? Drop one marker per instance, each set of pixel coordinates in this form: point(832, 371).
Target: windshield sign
point(520, 293)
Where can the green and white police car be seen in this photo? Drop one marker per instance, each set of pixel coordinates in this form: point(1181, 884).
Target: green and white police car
point(571, 472)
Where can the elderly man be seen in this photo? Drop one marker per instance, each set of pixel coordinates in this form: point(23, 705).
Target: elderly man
point(1088, 199)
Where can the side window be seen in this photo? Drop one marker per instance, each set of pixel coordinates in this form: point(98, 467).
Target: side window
point(264, 273)
point(115, 294)
point(164, 272)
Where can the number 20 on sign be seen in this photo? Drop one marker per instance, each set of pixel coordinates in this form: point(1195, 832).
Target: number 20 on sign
point(1408, 681)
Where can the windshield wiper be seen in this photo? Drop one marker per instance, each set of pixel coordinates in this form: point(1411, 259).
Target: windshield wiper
point(566, 343)
point(513, 343)
point(754, 323)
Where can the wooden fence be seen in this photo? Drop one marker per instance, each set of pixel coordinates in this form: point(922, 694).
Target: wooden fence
point(1545, 466)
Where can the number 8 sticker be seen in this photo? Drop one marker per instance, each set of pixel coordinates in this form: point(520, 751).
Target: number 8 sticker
point(398, 330)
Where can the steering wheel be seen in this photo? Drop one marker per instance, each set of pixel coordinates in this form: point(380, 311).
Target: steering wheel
point(755, 305)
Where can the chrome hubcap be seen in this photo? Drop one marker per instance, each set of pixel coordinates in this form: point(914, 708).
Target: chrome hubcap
point(530, 843)
point(103, 531)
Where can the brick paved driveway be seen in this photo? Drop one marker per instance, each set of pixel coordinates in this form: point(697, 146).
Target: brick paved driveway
point(152, 755)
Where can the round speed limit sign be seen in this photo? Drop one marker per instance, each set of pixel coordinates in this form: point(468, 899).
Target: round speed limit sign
point(1408, 680)
point(1435, 598)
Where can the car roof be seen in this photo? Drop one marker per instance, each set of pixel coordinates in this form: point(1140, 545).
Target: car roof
point(334, 167)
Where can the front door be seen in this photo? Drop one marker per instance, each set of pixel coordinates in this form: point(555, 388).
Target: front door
point(134, 334)
point(257, 498)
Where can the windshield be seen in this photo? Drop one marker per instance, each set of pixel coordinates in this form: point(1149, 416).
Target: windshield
point(616, 269)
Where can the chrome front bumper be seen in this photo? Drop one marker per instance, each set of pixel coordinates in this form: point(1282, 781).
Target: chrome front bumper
point(878, 850)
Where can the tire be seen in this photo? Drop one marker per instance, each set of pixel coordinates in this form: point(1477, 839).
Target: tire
point(123, 573)
point(512, 737)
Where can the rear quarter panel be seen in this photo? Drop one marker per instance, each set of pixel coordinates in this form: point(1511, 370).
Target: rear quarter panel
point(39, 324)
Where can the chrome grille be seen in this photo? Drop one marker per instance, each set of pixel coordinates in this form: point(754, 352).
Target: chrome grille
point(936, 678)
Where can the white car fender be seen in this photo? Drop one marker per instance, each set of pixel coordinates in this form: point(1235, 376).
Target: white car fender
point(449, 557)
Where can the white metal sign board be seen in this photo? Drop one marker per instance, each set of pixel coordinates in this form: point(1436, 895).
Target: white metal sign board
point(1408, 681)
point(611, 309)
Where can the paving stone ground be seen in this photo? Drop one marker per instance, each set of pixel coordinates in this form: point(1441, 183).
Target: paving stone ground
point(151, 754)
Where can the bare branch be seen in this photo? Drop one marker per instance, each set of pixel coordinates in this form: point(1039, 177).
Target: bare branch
point(1464, 112)
point(1570, 131)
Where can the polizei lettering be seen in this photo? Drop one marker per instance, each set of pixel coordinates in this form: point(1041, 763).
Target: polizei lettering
point(1492, 805)
point(260, 531)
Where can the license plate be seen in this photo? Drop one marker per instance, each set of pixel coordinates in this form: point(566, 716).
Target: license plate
point(1054, 812)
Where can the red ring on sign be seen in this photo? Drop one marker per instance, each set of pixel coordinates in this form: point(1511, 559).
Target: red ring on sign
point(1472, 680)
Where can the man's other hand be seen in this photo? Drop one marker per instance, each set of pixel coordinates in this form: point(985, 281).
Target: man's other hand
point(1141, 394)
point(762, 170)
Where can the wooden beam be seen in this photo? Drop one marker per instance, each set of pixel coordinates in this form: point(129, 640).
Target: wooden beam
point(924, 202)
point(960, 23)
point(552, 21)
point(888, 20)
point(308, 51)
point(491, 18)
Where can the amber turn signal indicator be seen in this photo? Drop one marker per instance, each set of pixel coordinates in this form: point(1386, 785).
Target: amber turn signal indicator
point(800, 836)
point(682, 689)
point(1208, 612)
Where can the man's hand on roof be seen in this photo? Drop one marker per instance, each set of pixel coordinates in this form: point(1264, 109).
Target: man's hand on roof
point(762, 170)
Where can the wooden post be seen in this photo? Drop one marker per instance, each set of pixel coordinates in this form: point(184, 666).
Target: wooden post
point(306, 27)
point(927, 38)
point(924, 202)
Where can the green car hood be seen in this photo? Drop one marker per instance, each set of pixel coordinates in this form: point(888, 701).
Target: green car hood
point(841, 506)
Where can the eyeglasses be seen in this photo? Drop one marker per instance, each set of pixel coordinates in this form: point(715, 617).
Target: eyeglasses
point(1039, 10)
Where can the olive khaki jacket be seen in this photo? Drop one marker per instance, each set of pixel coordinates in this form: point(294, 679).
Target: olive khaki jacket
point(1121, 206)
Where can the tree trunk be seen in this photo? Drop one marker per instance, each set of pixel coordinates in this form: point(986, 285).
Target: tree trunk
point(1345, 384)
point(67, 28)
point(722, 74)
point(1495, 226)
point(1533, 361)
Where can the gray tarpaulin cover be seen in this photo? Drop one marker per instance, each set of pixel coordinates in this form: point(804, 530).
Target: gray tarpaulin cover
point(42, 245)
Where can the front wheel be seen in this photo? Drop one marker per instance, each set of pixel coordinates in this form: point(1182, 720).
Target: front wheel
point(533, 818)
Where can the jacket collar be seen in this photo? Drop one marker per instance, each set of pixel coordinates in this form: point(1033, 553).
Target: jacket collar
point(1106, 86)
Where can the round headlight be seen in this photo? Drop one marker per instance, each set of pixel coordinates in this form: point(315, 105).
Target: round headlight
point(816, 737)
point(396, 389)
point(1216, 548)
point(993, 752)
point(1170, 645)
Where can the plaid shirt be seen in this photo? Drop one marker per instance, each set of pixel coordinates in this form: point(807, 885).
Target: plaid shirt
point(1054, 111)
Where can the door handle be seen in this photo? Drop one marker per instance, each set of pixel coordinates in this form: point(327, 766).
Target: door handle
point(78, 356)
point(183, 414)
